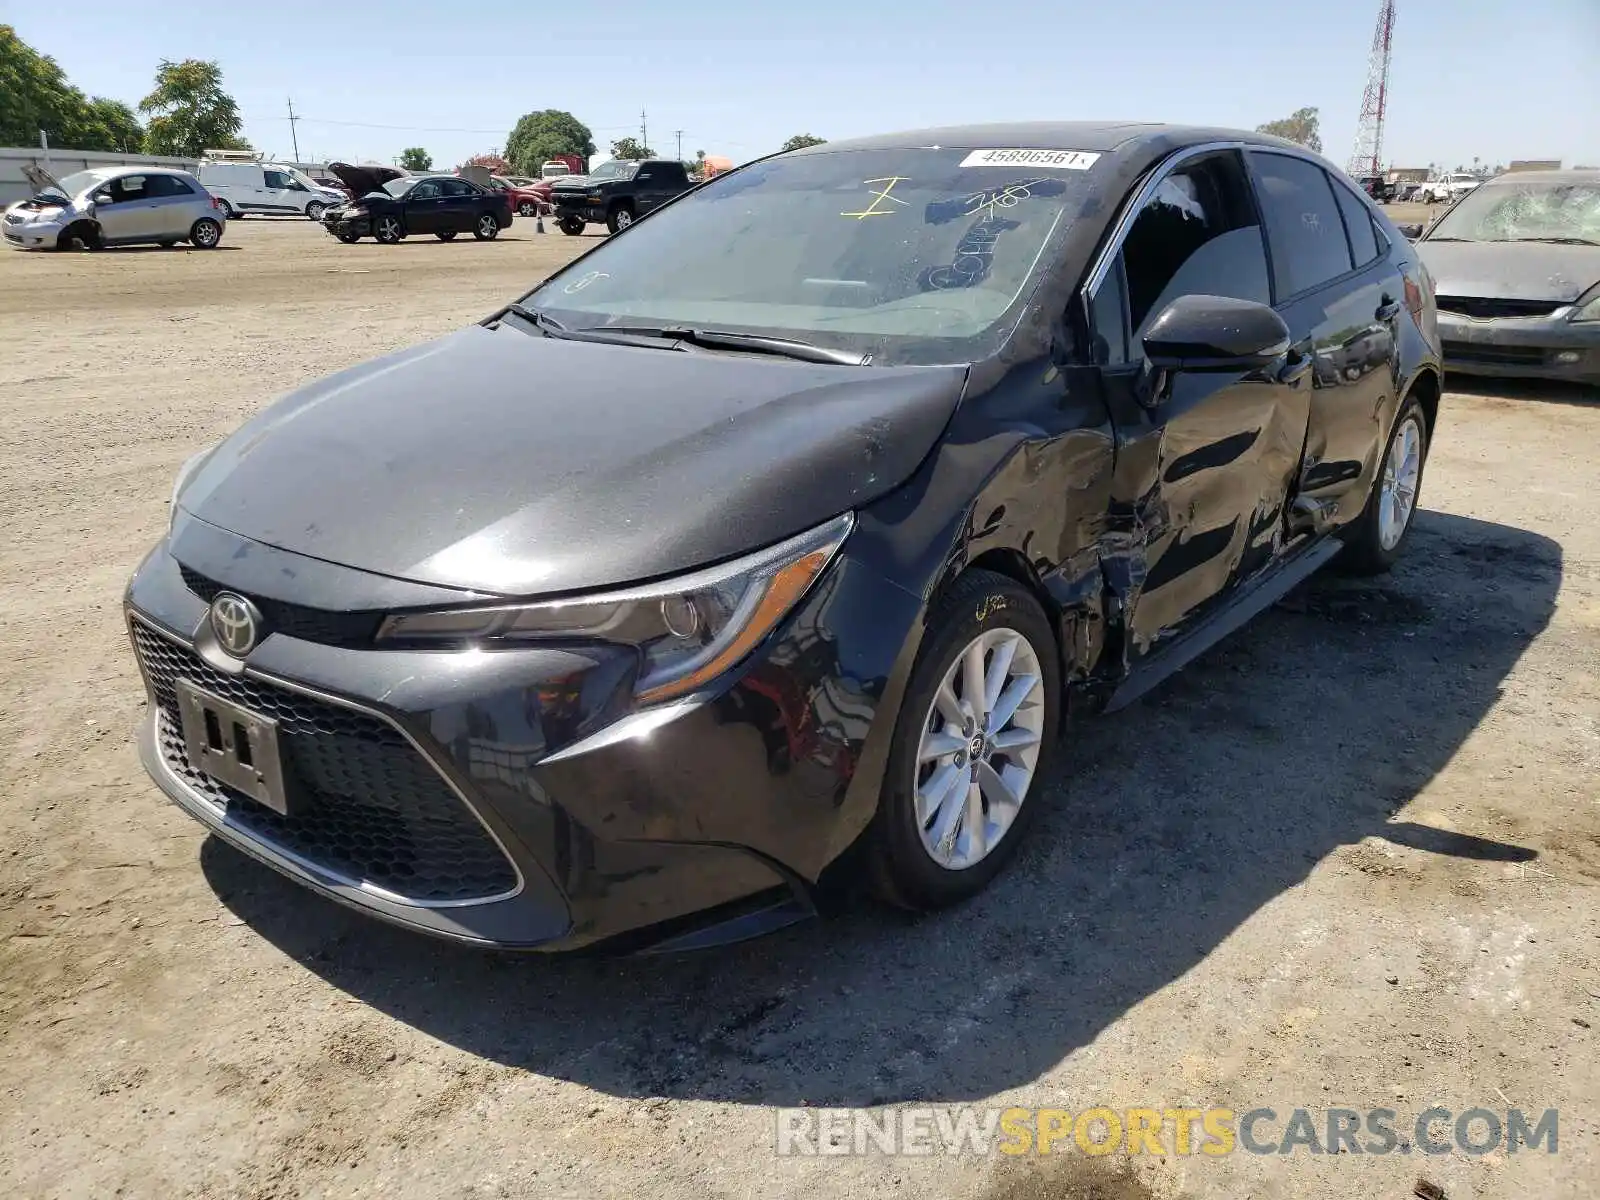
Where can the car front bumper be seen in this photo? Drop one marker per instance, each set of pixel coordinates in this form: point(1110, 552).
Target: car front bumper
point(31, 235)
point(337, 223)
point(1546, 347)
point(511, 798)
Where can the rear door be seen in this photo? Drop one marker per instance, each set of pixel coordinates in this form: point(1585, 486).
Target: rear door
point(459, 205)
point(1341, 296)
point(1205, 470)
point(656, 183)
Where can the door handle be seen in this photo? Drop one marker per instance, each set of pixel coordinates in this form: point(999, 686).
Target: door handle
point(1388, 310)
point(1297, 365)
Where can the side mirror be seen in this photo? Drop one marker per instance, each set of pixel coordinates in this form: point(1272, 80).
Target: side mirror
point(100, 198)
point(1215, 333)
point(1410, 232)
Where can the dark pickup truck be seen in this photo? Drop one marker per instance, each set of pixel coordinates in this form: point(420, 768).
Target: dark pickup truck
point(616, 193)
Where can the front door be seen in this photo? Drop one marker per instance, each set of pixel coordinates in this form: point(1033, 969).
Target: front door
point(425, 208)
point(1206, 460)
point(126, 210)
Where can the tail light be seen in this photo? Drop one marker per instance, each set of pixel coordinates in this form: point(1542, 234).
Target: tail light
point(1413, 296)
point(216, 204)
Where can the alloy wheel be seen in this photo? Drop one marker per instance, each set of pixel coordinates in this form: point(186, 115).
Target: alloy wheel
point(389, 229)
point(487, 227)
point(1402, 470)
point(205, 234)
point(314, 211)
point(624, 218)
point(979, 748)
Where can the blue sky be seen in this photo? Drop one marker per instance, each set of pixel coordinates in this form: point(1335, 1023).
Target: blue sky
point(1494, 78)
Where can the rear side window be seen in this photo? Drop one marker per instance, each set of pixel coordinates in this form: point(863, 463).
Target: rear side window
point(167, 185)
point(457, 187)
point(1308, 239)
point(1358, 224)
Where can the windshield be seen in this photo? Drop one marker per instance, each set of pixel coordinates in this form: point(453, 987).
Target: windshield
point(399, 187)
point(904, 254)
point(78, 181)
point(1511, 212)
point(615, 169)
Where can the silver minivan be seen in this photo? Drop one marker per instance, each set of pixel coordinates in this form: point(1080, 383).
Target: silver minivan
point(113, 206)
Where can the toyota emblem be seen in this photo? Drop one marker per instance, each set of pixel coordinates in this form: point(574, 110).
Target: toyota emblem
point(235, 624)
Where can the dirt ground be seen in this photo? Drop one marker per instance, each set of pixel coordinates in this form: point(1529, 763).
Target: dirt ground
point(1350, 858)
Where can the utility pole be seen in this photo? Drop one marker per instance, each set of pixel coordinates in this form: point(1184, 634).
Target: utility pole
point(293, 137)
point(644, 134)
point(679, 132)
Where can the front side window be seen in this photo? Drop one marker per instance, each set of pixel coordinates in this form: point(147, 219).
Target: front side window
point(908, 255)
point(129, 187)
point(1308, 239)
point(1197, 235)
point(428, 189)
point(617, 168)
point(277, 180)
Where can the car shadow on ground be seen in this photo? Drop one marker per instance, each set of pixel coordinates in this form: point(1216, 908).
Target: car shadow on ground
point(1167, 825)
point(1537, 391)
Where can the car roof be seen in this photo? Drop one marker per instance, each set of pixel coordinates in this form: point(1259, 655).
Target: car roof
point(1101, 136)
point(136, 169)
point(1587, 175)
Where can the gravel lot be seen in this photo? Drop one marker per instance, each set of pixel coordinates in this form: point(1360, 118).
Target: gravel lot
point(1350, 858)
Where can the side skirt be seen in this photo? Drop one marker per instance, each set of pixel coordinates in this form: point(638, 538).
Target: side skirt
point(1249, 601)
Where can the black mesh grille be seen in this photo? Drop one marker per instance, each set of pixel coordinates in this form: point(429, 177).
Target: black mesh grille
point(1503, 355)
point(352, 630)
point(1485, 308)
point(371, 809)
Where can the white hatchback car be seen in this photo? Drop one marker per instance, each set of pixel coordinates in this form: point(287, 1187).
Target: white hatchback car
point(113, 206)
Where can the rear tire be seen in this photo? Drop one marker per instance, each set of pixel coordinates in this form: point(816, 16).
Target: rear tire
point(571, 226)
point(205, 233)
point(448, 236)
point(1373, 541)
point(487, 228)
point(527, 209)
point(619, 218)
point(226, 210)
point(349, 239)
point(924, 854)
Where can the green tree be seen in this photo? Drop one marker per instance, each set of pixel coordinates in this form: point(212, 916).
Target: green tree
point(110, 125)
point(540, 136)
point(1303, 126)
point(415, 158)
point(35, 95)
point(630, 148)
point(800, 141)
point(191, 112)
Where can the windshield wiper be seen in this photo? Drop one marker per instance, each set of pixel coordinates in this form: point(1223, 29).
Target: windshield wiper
point(1559, 241)
point(756, 343)
point(613, 336)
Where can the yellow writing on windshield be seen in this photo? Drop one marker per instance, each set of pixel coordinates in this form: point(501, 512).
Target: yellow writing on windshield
point(879, 196)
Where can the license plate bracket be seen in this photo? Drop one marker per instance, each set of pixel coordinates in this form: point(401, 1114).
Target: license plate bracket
point(233, 745)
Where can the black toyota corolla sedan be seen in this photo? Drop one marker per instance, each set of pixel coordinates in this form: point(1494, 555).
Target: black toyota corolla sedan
point(777, 532)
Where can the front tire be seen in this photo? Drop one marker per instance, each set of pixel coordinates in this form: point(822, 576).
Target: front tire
point(1373, 542)
point(388, 230)
point(975, 735)
point(83, 233)
point(314, 210)
point(205, 233)
point(487, 228)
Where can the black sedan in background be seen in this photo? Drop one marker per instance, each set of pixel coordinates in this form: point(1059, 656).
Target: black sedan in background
point(773, 534)
point(390, 205)
point(1517, 265)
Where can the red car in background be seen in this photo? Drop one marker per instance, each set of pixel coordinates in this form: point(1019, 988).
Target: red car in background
point(527, 199)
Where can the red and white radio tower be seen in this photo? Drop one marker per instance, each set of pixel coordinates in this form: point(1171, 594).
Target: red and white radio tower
point(1367, 158)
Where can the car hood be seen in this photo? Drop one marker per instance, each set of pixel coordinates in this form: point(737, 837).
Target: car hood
point(580, 183)
point(361, 180)
point(511, 463)
point(1511, 270)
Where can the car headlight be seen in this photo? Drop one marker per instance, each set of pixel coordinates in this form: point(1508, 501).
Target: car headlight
point(688, 630)
point(596, 196)
point(1588, 306)
point(186, 473)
